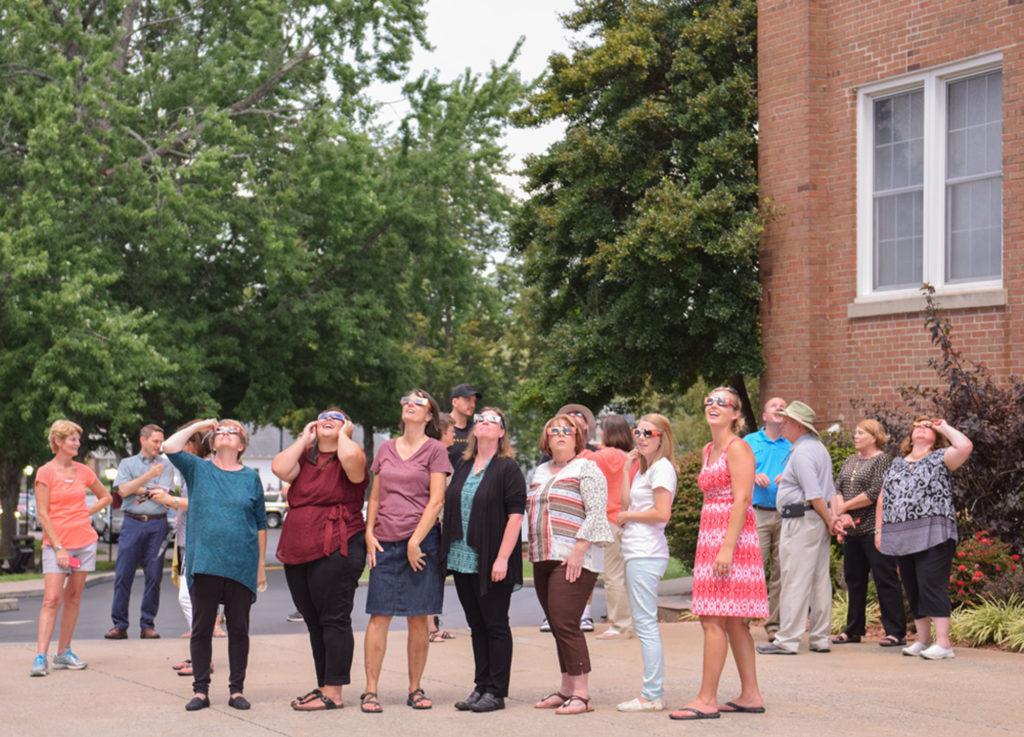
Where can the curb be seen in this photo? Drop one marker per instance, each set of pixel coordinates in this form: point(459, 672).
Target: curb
point(37, 590)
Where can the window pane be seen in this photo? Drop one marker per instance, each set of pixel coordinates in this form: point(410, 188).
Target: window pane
point(883, 121)
point(994, 147)
point(974, 232)
point(897, 249)
point(977, 103)
point(883, 168)
point(901, 165)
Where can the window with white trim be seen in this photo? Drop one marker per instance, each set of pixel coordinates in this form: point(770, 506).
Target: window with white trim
point(929, 166)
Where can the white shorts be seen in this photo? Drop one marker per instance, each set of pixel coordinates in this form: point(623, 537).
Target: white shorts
point(86, 555)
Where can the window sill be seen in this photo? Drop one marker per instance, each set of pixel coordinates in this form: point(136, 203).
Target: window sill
point(948, 300)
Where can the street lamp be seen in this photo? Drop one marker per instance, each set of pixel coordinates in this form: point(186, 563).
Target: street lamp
point(26, 474)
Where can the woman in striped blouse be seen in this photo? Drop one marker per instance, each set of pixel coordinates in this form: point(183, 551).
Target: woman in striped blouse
point(566, 505)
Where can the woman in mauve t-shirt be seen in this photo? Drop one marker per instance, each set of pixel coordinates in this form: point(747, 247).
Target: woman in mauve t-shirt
point(69, 542)
point(322, 545)
point(403, 542)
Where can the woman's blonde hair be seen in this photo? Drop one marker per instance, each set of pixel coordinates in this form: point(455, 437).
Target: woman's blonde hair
point(740, 423)
point(667, 449)
point(241, 433)
point(60, 431)
point(908, 442)
point(874, 429)
point(504, 444)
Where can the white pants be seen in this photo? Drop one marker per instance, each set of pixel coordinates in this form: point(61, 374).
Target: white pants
point(619, 615)
point(184, 600)
point(806, 582)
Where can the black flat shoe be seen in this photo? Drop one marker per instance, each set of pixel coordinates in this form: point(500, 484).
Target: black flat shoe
point(239, 702)
point(488, 702)
point(467, 703)
point(197, 703)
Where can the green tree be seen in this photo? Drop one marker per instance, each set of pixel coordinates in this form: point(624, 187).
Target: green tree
point(640, 233)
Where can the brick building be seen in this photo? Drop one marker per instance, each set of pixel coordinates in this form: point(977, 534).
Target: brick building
point(892, 149)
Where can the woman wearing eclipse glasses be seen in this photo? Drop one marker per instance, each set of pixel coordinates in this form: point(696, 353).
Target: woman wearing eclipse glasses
point(322, 545)
point(403, 541)
point(483, 516)
point(567, 506)
point(227, 544)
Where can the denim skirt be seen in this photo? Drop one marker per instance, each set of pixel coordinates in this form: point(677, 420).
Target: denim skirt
point(396, 590)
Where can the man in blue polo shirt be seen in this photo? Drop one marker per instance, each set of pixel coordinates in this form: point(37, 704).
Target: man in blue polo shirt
point(771, 452)
point(142, 533)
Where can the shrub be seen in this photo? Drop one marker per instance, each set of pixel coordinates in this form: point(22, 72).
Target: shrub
point(989, 488)
point(979, 560)
point(1014, 638)
point(1010, 584)
point(682, 528)
point(841, 605)
point(989, 623)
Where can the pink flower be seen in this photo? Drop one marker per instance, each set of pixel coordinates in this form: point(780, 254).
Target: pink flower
point(961, 567)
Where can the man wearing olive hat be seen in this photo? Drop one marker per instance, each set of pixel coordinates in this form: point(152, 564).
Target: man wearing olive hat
point(464, 399)
point(804, 490)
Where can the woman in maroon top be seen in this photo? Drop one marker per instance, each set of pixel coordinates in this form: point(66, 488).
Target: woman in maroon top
point(322, 545)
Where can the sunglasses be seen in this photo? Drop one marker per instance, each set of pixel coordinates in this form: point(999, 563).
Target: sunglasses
point(418, 401)
point(720, 401)
point(226, 431)
point(331, 415)
point(489, 418)
point(567, 431)
point(924, 423)
point(638, 433)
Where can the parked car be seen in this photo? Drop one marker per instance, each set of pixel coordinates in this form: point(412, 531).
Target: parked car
point(277, 508)
point(107, 522)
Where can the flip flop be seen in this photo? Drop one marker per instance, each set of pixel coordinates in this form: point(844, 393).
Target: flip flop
point(735, 708)
point(305, 698)
point(845, 639)
point(586, 706)
point(892, 641)
point(697, 714)
point(557, 694)
point(440, 636)
point(328, 703)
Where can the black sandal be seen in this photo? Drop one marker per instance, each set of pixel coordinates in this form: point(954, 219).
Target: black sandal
point(306, 698)
point(370, 699)
point(328, 702)
point(416, 699)
point(892, 641)
point(844, 639)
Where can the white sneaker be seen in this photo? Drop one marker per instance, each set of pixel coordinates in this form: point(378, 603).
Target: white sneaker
point(641, 705)
point(914, 649)
point(937, 652)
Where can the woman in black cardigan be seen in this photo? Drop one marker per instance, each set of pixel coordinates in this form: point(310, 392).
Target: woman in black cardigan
point(483, 516)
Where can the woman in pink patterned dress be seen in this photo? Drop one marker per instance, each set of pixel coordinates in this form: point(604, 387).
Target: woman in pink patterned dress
point(728, 575)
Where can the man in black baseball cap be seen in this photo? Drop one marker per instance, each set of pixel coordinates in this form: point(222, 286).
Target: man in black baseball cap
point(464, 398)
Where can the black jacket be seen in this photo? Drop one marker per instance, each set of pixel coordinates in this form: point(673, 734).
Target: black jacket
point(502, 492)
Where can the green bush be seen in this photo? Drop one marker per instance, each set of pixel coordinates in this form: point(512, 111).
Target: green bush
point(990, 623)
point(841, 605)
point(1010, 584)
point(682, 528)
point(979, 560)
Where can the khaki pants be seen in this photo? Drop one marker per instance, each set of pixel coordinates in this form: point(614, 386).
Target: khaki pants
point(769, 529)
point(806, 583)
point(614, 574)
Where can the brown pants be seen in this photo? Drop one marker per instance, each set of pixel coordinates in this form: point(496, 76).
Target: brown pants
point(563, 604)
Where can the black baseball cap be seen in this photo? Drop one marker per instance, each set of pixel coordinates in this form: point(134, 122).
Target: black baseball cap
point(465, 390)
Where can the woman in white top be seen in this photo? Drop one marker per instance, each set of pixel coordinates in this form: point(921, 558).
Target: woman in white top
point(648, 506)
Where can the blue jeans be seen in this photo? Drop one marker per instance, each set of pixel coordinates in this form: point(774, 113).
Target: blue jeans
point(139, 544)
point(642, 577)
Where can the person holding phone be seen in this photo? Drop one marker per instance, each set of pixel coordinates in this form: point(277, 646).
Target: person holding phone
point(322, 545)
point(227, 544)
point(403, 542)
point(69, 542)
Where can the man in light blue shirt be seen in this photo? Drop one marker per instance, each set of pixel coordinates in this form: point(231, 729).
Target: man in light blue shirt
point(771, 451)
point(142, 534)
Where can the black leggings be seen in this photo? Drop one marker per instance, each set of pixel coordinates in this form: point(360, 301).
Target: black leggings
point(207, 592)
point(860, 556)
point(487, 616)
point(323, 591)
point(926, 578)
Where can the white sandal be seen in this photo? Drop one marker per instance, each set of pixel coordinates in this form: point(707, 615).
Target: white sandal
point(640, 705)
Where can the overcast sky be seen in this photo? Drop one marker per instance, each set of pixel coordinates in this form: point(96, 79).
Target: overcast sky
point(473, 33)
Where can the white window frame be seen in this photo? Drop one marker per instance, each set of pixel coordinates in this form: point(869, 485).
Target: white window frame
point(933, 82)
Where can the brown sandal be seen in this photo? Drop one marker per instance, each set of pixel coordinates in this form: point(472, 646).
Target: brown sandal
point(559, 694)
point(369, 699)
point(327, 703)
point(416, 699)
point(586, 706)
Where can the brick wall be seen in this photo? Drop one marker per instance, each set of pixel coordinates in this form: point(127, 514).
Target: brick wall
point(813, 55)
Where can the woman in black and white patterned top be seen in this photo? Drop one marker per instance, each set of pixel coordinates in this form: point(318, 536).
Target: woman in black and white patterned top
point(919, 526)
point(859, 484)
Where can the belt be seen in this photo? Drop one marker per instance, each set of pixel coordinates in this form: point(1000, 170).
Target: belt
point(765, 509)
point(789, 511)
point(145, 517)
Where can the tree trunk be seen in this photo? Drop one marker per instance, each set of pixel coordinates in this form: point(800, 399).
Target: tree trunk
point(736, 382)
point(10, 488)
point(368, 443)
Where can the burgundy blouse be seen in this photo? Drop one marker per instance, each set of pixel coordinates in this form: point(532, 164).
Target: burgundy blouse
point(325, 509)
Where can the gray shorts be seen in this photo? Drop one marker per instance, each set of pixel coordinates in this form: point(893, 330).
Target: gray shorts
point(86, 555)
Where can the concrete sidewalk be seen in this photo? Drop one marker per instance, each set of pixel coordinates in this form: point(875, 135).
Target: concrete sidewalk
point(130, 689)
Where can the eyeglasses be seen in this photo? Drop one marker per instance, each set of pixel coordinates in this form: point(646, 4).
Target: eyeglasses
point(924, 423)
point(638, 433)
point(556, 431)
point(229, 430)
point(489, 418)
point(720, 401)
point(331, 415)
point(418, 401)
point(575, 414)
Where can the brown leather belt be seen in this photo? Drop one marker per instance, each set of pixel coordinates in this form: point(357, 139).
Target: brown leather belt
point(145, 517)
